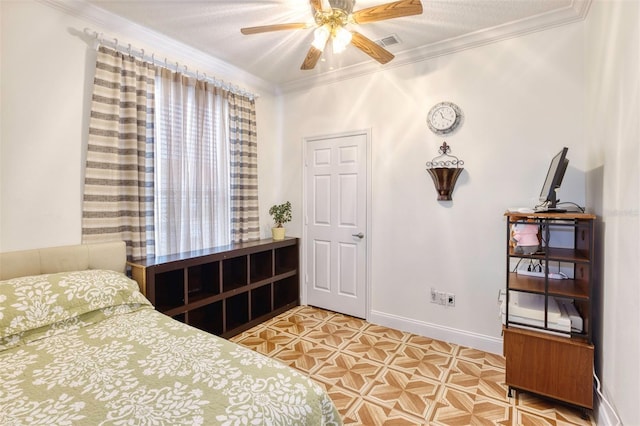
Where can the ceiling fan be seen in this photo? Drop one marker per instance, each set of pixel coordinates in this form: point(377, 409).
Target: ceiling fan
point(331, 18)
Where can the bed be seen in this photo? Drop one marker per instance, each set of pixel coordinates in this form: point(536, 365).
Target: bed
point(80, 344)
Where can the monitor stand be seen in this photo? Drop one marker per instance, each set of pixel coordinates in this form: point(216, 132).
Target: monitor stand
point(550, 210)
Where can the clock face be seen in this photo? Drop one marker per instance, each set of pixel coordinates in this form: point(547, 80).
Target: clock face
point(444, 118)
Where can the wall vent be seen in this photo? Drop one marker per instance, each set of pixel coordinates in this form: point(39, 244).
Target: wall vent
point(389, 40)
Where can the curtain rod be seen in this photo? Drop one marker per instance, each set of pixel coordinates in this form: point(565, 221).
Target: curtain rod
point(100, 40)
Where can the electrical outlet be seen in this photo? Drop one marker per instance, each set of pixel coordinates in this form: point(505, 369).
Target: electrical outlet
point(451, 300)
point(442, 298)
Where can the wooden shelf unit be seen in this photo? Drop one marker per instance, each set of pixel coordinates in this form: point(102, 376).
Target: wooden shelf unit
point(539, 360)
point(223, 290)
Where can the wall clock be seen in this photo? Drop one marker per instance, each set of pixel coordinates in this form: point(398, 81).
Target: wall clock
point(444, 118)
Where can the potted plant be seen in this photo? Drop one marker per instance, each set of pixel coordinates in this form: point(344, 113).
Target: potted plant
point(281, 213)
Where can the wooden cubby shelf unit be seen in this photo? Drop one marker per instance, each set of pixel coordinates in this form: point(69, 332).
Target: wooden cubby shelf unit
point(540, 358)
point(224, 290)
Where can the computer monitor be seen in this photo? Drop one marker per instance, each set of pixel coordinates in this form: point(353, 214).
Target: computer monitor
point(548, 199)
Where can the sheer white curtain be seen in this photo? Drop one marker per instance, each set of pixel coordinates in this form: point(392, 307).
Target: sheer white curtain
point(191, 164)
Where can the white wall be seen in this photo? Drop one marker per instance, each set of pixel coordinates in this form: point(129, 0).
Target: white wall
point(522, 99)
point(613, 133)
point(43, 100)
point(47, 68)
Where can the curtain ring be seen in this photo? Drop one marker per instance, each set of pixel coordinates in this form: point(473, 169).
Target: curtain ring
point(98, 40)
point(129, 50)
point(142, 54)
point(116, 42)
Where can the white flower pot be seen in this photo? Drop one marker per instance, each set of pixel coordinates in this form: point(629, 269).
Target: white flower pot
point(278, 233)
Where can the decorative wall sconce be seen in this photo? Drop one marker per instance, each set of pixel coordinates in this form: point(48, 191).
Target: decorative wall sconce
point(444, 170)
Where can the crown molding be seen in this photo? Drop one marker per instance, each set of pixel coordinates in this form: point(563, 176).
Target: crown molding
point(575, 12)
point(117, 25)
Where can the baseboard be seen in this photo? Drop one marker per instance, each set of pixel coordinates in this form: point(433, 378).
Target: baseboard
point(439, 332)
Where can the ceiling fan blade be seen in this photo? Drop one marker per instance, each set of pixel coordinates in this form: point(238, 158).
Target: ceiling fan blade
point(372, 49)
point(275, 27)
point(312, 59)
point(381, 12)
point(320, 5)
point(316, 4)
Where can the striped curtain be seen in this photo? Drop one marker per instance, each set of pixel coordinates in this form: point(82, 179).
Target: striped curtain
point(244, 168)
point(118, 199)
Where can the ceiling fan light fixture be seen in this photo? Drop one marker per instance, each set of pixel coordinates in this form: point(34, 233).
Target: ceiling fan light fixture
point(331, 18)
point(320, 37)
point(341, 40)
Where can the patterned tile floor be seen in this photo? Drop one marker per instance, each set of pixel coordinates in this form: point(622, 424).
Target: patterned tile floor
point(380, 376)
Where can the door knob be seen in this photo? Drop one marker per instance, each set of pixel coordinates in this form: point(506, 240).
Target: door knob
point(359, 235)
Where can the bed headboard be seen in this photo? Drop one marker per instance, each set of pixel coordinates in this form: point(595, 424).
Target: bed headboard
point(112, 256)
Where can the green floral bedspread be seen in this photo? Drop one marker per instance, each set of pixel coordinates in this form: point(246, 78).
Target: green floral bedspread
point(87, 348)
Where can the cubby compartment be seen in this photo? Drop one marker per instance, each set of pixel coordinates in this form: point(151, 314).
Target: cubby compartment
point(286, 259)
point(234, 273)
point(203, 281)
point(223, 290)
point(208, 318)
point(261, 301)
point(237, 310)
point(169, 289)
point(261, 266)
point(285, 291)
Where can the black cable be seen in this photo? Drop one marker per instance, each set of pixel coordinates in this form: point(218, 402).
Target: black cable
point(573, 204)
point(543, 242)
point(517, 264)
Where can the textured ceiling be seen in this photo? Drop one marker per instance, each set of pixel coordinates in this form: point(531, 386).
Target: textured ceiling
point(213, 27)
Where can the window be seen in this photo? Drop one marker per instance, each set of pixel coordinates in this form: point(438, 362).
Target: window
point(171, 160)
point(192, 190)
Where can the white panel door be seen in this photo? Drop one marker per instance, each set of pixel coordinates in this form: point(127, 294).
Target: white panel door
point(336, 223)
